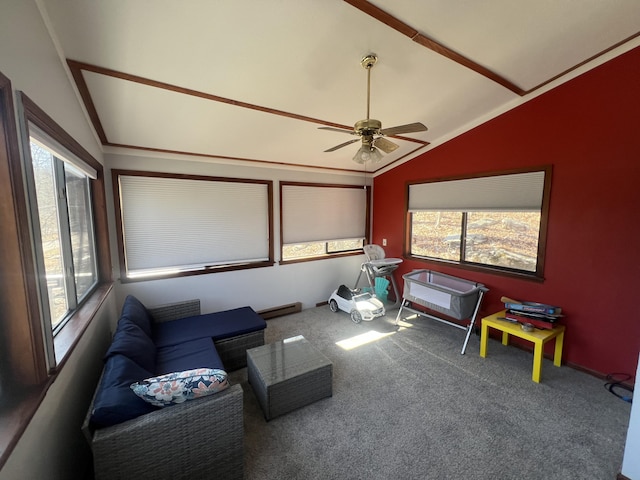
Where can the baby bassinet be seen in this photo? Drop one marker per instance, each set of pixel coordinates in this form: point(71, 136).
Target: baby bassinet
point(445, 294)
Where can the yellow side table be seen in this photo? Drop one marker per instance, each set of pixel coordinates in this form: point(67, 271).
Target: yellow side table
point(538, 337)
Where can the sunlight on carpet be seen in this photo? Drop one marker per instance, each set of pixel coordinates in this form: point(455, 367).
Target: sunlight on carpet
point(362, 339)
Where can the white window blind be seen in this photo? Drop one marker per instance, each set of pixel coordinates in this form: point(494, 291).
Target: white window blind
point(322, 213)
point(519, 192)
point(173, 222)
point(45, 141)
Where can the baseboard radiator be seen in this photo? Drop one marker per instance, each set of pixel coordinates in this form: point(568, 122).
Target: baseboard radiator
point(281, 310)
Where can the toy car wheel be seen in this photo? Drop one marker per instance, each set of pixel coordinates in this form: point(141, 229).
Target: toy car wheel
point(333, 305)
point(355, 316)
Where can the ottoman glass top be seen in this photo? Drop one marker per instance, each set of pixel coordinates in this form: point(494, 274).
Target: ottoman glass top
point(286, 359)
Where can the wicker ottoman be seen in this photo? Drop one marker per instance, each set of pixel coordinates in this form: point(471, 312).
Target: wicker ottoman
point(288, 374)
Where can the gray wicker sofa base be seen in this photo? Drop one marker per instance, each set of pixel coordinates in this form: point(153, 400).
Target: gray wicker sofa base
point(200, 438)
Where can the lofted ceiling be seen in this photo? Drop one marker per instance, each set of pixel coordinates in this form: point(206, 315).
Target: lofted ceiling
point(251, 81)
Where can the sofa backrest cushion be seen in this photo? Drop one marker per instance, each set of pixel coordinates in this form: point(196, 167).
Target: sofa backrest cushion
point(218, 326)
point(135, 311)
point(114, 401)
point(132, 342)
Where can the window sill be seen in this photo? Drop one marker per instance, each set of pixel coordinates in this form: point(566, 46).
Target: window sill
point(15, 415)
point(480, 268)
point(320, 257)
point(204, 270)
point(16, 412)
point(67, 338)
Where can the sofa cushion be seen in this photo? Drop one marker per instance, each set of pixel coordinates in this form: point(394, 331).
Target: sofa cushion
point(178, 387)
point(136, 312)
point(114, 401)
point(218, 325)
point(131, 341)
point(199, 353)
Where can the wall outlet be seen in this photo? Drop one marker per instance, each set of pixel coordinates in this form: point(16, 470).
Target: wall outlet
point(384, 242)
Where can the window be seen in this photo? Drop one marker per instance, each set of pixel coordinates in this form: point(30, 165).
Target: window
point(59, 200)
point(320, 221)
point(175, 225)
point(31, 356)
point(66, 245)
point(496, 221)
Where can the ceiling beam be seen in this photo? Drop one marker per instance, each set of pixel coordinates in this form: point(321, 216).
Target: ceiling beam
point(391, 21)
point(78, 67)
point(83, 89)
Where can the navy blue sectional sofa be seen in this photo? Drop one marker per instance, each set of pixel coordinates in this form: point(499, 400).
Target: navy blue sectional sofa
point(130, 437)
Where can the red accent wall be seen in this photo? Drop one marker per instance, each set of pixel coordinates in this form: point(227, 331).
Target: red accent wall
point(588, 130)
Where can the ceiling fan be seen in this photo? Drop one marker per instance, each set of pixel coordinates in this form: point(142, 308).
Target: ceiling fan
point(370, 130)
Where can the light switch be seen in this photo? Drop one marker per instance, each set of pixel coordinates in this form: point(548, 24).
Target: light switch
point(384, 242)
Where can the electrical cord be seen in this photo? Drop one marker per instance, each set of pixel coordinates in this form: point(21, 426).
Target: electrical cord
point(615, 383)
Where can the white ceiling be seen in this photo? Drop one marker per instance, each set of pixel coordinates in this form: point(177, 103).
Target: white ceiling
point(253, 80)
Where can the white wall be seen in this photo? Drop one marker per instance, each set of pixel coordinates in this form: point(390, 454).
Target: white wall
point(631, 460)
point(260, 288)
point(52, 446)
point(28, 57)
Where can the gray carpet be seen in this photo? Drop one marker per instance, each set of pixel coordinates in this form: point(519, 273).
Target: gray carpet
point(410, 406)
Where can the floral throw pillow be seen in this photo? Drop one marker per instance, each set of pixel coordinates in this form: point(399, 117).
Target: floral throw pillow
point(179, 387)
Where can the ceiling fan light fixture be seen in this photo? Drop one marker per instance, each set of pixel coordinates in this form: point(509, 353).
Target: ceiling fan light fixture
point(370, 130)
point(367, 153)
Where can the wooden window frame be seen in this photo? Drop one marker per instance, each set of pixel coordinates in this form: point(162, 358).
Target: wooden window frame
point(115, 174)
point(538, 275)
point(328, 254)
point(23, 360)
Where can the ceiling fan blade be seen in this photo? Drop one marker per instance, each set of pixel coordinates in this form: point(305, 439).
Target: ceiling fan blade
point(385, 145)
point(333, 149)
point(408, 128)
point(341, 130)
